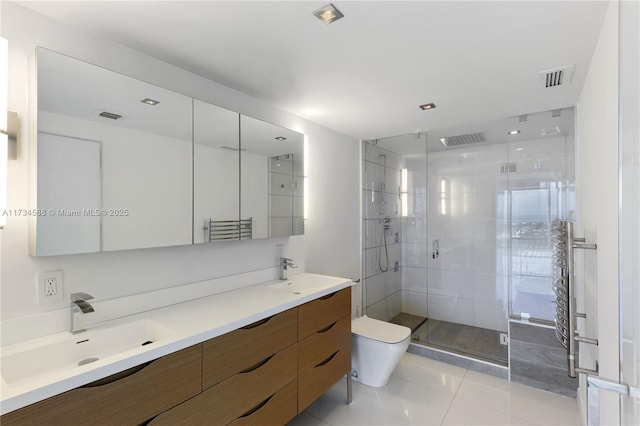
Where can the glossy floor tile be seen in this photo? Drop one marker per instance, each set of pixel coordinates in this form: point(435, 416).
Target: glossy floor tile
point(427, 392)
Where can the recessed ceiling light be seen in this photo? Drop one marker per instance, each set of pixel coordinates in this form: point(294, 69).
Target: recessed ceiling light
point(514, 132)
point(149, 101)
point(328, 14)
point(427, 106)
point(280, 138)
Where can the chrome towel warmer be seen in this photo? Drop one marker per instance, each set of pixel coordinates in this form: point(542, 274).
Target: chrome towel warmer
point(564, 244)
point(221, 230)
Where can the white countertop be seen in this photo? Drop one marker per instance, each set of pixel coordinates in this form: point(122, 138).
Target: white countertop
point(193, 322)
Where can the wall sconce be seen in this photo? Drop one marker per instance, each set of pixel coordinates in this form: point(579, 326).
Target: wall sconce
point(8, 127)
point(444, 197)
point(306, 177)
point(404, 192)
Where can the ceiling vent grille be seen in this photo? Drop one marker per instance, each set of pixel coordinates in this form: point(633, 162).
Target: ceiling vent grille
point(555, 77)
point(551, 131)
point(110, 115)
point(230, 148)
point(463, 139)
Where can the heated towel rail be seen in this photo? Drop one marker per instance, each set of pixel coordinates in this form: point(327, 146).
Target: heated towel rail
point(564, 244)
point(222, 230)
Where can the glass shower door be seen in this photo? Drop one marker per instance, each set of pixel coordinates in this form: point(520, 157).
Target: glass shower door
point(467, 251)
point(630, 210)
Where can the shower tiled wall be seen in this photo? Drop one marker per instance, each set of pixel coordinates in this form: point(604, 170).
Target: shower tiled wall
point(414, 238)
point(383, 298)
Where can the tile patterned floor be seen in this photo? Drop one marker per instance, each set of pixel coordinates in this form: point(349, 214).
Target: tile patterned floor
point(427, 392)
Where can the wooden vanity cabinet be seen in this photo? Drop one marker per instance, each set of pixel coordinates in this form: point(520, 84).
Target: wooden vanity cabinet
point(324, 345)
point(249, 377)
point(269, 371)
point(238, 350)
point(262, 374)
point(127, 398)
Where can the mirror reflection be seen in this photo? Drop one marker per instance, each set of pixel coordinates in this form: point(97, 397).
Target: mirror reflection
point(216, 175)
point(272, 178)
point(114, 160)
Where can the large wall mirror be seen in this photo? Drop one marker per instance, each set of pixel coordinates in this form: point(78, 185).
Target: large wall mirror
point(272, 178)
point(114, 160)
point(216, 175)
point(122, 164)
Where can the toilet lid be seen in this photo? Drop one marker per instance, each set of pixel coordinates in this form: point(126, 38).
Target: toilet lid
point(379, 330)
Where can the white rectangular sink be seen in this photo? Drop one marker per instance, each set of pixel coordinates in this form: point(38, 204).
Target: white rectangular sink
point(65, 351)
point(304, 283)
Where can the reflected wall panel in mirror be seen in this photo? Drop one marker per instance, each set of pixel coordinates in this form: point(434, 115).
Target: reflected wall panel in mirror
point(272, 178)
point(113, 161)
point(216, 175)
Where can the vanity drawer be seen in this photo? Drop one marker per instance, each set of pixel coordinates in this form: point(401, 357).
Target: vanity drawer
point(321, 313)
point(126, 398)
point(323, 343)
point(236, 396)
point(315, 381)
point(277, 410)
point(238, 350)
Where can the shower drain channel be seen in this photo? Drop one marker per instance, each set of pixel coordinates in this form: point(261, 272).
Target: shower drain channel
point(87, 361)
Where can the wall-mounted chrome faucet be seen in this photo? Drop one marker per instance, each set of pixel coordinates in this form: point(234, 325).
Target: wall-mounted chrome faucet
point(285, 262)
point(79, 307)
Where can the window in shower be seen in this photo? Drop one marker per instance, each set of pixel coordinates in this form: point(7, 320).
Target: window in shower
point(539, 193)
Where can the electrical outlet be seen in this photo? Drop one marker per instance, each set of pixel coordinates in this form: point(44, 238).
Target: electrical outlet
point(49, 287)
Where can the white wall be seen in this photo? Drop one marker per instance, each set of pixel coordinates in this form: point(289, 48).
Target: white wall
point(216, 186)
point(331, 243)
point(129, 181)
point(597, 196)
point(254, 198)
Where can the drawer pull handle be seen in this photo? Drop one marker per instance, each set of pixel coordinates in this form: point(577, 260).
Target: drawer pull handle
point(257, 323)
point(327, 328)
point(258, 365)
point(257, 407)
point(118, 376)
point(328, 296)
point(326, 361)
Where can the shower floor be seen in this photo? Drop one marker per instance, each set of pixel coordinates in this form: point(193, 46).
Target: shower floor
point(479, 343)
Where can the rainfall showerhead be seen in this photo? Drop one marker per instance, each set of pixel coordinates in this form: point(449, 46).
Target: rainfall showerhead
point(467, 139)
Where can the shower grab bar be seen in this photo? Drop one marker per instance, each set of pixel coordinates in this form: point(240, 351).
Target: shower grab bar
point(564, 286)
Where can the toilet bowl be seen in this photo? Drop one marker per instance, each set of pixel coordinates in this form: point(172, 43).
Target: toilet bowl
point(376, 349)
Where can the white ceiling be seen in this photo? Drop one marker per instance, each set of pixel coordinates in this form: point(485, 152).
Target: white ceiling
point(366, 74)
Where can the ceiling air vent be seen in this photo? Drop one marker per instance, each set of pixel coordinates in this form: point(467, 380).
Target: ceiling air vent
point(463, 139)
point(230, 148)
point(556, 77)
point(111, 115)
point(551, 131)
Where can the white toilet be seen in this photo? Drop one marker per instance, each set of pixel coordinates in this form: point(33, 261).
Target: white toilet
point(376, 349)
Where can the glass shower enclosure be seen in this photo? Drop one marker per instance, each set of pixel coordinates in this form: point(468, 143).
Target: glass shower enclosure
point(456, 229)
